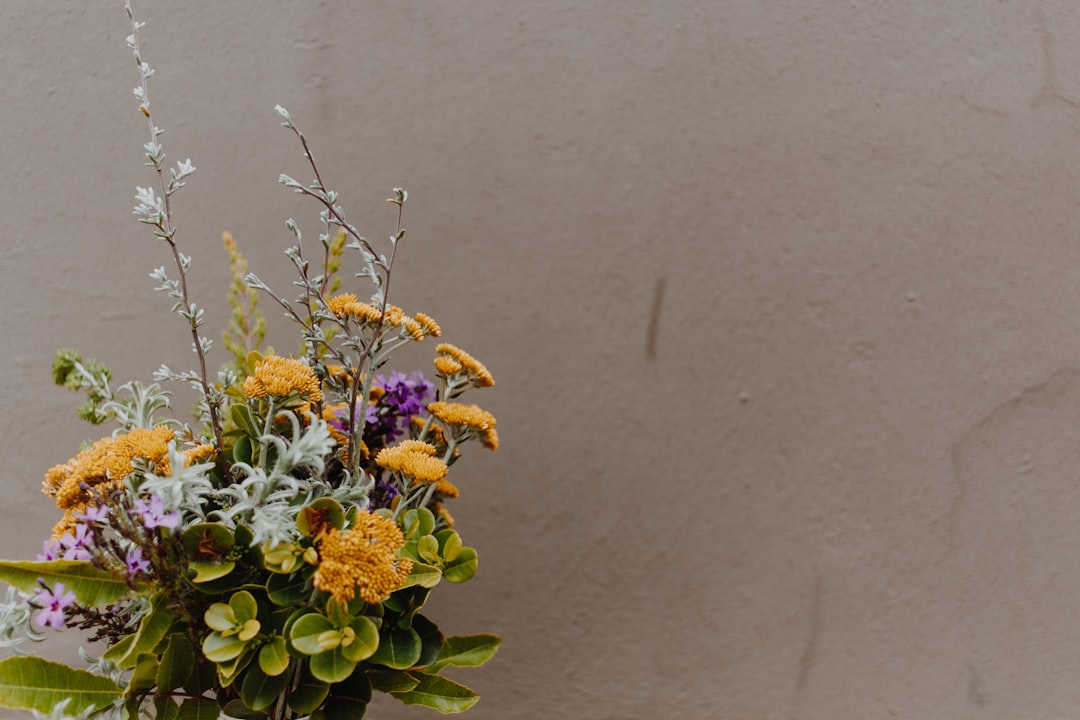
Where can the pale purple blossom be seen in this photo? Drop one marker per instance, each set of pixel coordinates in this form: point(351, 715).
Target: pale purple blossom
point(50, 550)
point(135, 562)
point(52, 604)
point(95, 513)
point(154, 515)
point(76, 546)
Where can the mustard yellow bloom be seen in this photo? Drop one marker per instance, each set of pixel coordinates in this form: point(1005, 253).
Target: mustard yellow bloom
point(428, 323)
point(89, 476)
point(414, 459)
point(346, 304)
point(362, 560)
point(446, 366)
point(278, 376)
point(467, 421)
point(478, 374)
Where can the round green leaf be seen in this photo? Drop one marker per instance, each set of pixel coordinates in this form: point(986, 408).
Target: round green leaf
point(273, 657)
point(218, 648)
point(366, 641)
point(449, 544)
point(220, 617)
point(332, 666)
point(304, 633)
point(463, 568)
point(243, 604)
point(398, 649)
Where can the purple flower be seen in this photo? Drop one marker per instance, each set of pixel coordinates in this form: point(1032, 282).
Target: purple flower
point(52, 604)
point(95, 513)
point(154, 515)
point(135, 562)
point(50, 550)
point(403, 396)
point(77, 545)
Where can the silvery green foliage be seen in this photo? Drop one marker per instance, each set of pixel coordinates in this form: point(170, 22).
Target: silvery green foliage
point(267, 499)
point(60, 713)
point(138, 410)
point(15, 625)
point(187, 490)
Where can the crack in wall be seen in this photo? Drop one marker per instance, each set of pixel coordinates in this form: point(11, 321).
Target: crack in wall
point(809, 654)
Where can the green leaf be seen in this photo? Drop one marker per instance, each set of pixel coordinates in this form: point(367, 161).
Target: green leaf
point(32, 683)
point(391, 681)
point(423, 575)
point(259, 690)
point(218, 648)
point(237, 709)
point(309, 694)
point(398, 649)
point(166, 708)
point(442, 694)
point(318, 517)
point(304, 633)
point(120, 648)
point(366, 641)
point(244, 606)
point(206, 571)
point(152, 630)
point(273, 657)
point(332, 666)
point(428, 548)
point(241, 415)
point(466, 651)
point(145, 674)
point(431, 639)
point(348, 699)
point(288, 590)
point(177, 663)
point(463, 568)
point(449, 544)
point(92, 587)
point(199, 709)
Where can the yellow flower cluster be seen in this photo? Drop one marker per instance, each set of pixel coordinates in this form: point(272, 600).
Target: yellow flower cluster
point(85, 478)
point(278, 376)
point(415, 459)
point(419, 327)
point(363, 560)
point(452, 360)
point(467, 421)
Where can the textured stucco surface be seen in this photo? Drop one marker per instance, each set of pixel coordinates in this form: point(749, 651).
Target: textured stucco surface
point(781, 298)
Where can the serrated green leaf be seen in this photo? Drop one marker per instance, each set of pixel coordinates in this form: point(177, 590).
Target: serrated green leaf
point(177, 664)
point(398, 648)
point(32, 683)
point(391, 681)
point(442, 694)
point(92, 587)
point(331, 666)
point(466, 651)
point(259, 690)
point(463, 568)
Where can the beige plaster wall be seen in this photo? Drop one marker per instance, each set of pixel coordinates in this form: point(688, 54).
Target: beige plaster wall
point(781, 297)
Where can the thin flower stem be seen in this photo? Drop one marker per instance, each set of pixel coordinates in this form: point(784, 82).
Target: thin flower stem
point(167, 231)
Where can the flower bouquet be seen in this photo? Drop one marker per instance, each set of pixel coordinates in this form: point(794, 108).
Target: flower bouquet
point(272, 558)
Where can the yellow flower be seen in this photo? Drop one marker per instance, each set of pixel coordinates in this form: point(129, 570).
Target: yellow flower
point(362, 560)
point(467, 421)
point(346, 304)
point(478, 374)
point(445, 366)
point(414, 459)
point(278, 376)
point(95, 472)
point(430, 326)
